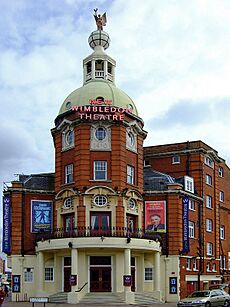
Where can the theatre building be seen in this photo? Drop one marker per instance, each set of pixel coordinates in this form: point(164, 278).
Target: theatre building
point(106, 226)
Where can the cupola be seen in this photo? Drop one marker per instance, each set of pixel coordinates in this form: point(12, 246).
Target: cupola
point(98, 65)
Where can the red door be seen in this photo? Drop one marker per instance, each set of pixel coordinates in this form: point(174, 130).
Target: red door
point(67, 273)
point(133, 285)
point(100, 279)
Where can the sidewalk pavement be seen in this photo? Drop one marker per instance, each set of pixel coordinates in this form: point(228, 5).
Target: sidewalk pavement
point(26, 304)
point(8, 303)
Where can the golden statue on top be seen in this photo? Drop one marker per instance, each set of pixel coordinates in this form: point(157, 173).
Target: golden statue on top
point(100, 20)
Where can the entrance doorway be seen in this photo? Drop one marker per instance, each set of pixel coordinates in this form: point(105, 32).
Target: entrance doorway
point(133, 274)
point(100, 279)
point(67, 274)
point(100, 274)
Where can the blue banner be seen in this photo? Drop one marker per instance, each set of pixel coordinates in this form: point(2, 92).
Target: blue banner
point(185, 210)
point(41, 215)
point(16, 283)
point(6, 246)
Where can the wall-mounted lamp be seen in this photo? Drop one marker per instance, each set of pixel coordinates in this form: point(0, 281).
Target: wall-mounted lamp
point(128, 239)
point(102, 238)
point(70, 244)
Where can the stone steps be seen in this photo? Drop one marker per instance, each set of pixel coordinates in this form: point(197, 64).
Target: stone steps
point(60, 297)
point(102, 298)
point(145, 298)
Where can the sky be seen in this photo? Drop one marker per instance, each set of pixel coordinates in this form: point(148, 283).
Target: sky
point(173, 60)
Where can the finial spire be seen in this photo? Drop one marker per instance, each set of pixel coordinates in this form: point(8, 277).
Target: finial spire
point(100, 20)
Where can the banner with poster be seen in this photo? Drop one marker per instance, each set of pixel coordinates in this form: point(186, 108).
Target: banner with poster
point(185, 220)
point(6, 246)
point(41, 215)
point(155, 216)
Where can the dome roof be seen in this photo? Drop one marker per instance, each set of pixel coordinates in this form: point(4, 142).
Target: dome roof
point(95, 89)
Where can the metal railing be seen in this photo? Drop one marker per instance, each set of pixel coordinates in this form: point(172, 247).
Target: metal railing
point(79, 232)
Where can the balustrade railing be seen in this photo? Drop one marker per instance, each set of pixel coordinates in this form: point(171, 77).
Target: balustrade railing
point(79, 232)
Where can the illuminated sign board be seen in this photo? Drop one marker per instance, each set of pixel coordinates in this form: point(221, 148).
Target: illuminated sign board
point(101, 110)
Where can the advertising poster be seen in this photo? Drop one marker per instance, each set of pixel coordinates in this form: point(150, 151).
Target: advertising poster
point(155, 216)
point(6, 246)
point(41, 215)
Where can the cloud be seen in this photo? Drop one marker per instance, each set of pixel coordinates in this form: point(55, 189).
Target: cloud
point(172, 59)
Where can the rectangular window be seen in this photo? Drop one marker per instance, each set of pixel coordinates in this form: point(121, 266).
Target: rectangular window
point(224, 262)
point(209, 201)
point(100, 170)
point(194, 265)
point(208, 225)
point(189, 184)
point(229, 261)
point(28, 274)
point(176, 159)
point(222, 232)
point(209, 249)
point(49, 274)
point(69, 173)
point(214, 267)
point(146, 163)
point(191, 205)
point(221, 262)
point(191, 229)
point(209, 179)
point(221, 196)
point(130, 174)
point(208, 267)
point(208, 161)
point(188, 264)
point(221, 171)
point(148, 274)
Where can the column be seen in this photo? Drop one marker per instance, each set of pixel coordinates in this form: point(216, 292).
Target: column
point(74, 266)
point(129, 296)
point(157, 266)
point(127, 268)
point(93, 69)
point(105, 69)
point(40, 272)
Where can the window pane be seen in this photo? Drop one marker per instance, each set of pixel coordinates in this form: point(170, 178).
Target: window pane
point(100, 133)
point(148, 274)
point(130, 174)
point(49, 274)
point(100, 170)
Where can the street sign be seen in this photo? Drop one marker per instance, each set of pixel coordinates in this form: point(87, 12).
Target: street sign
point(39, 299)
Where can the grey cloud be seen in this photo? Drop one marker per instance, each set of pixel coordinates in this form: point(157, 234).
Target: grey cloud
point(187, 113)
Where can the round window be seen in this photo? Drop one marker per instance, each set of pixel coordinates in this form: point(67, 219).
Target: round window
point(69, 137)
point(67, 203)
point(100, 133)
point(131, 203)
point(130, 107)
point(100, 200)
point(68, 105)
point(131, 139)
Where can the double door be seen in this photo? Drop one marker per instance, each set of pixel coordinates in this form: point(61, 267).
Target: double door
point(100, 279)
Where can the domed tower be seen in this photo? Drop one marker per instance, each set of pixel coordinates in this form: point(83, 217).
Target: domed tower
point(98, 139)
